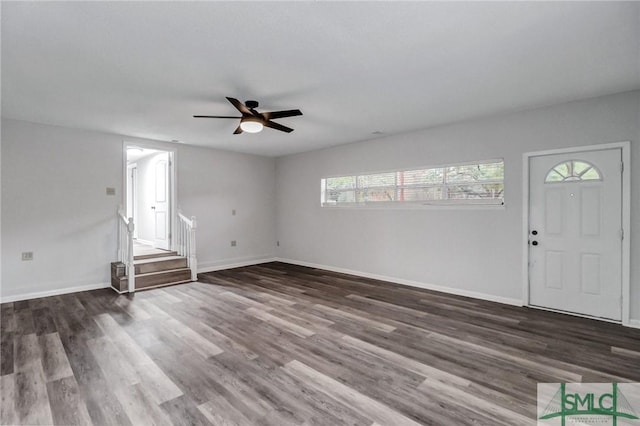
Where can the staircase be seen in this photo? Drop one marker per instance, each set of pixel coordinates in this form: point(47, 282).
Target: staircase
point(151, 270)
point(138, 272)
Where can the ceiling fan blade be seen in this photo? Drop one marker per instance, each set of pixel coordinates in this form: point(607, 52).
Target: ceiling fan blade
point(240, 106)
point(257, 114)
point(215, 116)
point(238, 131)
point(281, 114)
point(277, 126)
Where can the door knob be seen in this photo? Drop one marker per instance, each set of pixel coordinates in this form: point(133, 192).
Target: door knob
point(534, 243)
point(534, 232)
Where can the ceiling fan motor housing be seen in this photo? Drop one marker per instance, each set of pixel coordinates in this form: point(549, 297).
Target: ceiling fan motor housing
point(251, 104)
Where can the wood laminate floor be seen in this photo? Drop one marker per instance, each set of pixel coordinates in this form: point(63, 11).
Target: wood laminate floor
point(277, 344)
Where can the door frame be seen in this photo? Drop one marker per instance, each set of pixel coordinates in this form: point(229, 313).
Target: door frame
point(625, 146)
point(132, 171)
point(173, 178)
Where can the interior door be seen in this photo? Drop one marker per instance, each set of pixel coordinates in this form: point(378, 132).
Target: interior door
point(161, 202)
point(575, 232)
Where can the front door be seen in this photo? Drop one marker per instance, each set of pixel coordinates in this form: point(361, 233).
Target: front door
point(161, 202)
point(575, 232)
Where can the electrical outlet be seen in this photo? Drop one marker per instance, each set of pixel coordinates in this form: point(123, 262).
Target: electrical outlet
point(27, 255)
point(233, 243)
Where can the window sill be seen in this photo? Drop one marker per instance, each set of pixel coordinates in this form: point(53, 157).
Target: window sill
point(417, 206)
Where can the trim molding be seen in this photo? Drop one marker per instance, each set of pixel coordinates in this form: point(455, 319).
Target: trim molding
point(56, 292)
point(634, 323)
point(234, 263)
point(574, 314)
point(117, 291)
point(410, 283)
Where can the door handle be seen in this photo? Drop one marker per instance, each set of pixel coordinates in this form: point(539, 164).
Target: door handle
point(534, 243)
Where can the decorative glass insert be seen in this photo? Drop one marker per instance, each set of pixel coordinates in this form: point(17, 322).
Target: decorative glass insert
point(470, 183)
point(573, 171)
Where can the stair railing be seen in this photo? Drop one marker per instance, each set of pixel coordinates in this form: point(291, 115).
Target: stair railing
point(125, 247)
point(186, 242)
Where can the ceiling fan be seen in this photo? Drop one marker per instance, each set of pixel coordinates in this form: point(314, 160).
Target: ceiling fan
point(253, 121)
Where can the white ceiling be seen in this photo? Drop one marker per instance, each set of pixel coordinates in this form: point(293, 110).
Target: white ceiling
point(144, 68)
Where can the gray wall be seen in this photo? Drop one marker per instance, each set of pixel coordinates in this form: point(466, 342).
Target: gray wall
point(211, 184)
point(466, 250)
point(54, 204)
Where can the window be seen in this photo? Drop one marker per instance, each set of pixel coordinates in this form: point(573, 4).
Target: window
point(573, 171)
point(476, 183)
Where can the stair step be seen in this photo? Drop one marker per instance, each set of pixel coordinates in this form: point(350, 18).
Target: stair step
point(154, 279)
point(149, 287)
point(155, 259)
point(118, 269)
point(145, 266)
point(155, 255)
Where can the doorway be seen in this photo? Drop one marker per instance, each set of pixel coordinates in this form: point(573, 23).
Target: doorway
point(149, 196)
point(576, 216)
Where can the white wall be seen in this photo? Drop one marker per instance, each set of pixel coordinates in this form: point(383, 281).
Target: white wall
point(213, 183)
point(54, 203)
point(465, 250)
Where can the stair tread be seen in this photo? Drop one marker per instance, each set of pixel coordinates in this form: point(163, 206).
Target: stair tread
point(155, 255)
point(151, 287)
point(148, 274)
point(156, 259)
point(163, 272)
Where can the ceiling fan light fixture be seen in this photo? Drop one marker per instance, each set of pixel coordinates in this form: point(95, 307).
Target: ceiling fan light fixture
point(251, 125)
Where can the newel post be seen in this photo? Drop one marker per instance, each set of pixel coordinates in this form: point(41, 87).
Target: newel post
point(131, 271)
point(193, 262)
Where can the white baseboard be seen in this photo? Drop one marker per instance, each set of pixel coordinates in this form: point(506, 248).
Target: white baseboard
point(56, 292)
point(442, 289)
point(574, 314)
point(233, 263)
point(633, 323)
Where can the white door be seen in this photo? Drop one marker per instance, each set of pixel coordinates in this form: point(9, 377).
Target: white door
point(161, 203)
point(575, 232)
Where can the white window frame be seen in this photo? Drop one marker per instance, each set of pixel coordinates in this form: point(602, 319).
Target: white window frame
point(445, 202)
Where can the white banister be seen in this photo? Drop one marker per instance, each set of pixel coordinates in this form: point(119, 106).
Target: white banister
point(125, 247)
point(186, 244)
